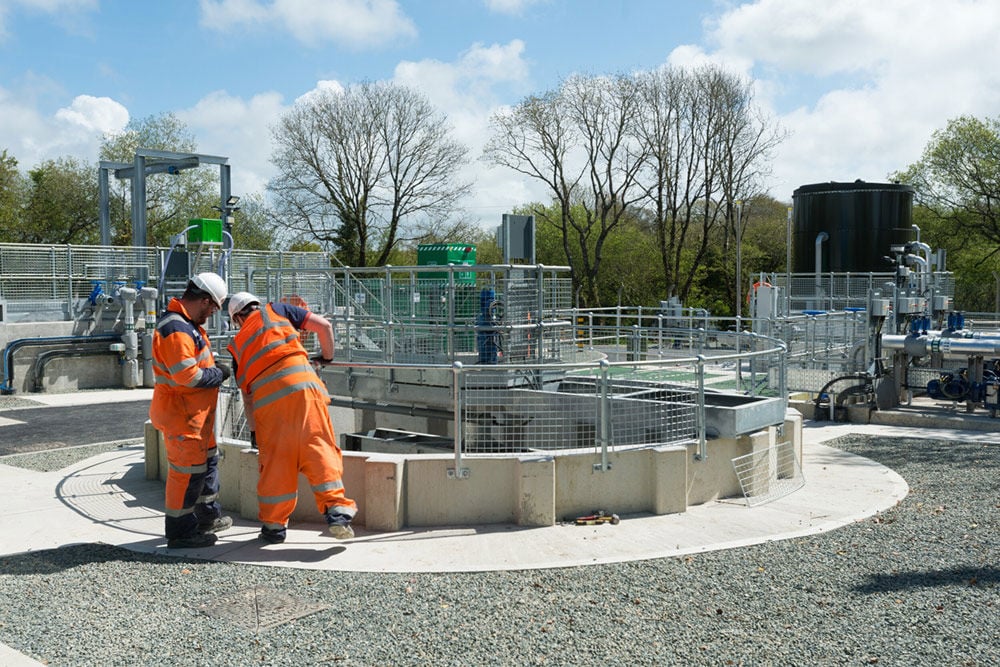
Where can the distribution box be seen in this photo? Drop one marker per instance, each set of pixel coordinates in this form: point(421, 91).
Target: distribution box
point(206, 230)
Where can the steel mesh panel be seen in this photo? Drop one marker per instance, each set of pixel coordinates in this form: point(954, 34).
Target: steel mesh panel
point(769, 474)
point(230, 415)
point(544, 409)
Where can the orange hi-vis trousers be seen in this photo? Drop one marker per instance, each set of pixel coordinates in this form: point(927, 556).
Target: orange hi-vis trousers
point(192, 493)
point(294, 433)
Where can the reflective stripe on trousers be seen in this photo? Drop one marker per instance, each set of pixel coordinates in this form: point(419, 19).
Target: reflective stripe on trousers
point(294, 434)
point(192, 483)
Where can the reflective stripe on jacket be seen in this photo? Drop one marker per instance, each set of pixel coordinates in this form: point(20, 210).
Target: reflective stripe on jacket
point(187, 382)
point(270, 361)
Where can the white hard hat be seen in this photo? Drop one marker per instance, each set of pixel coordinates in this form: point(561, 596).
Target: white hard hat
point(239, 301)
point(212, 284)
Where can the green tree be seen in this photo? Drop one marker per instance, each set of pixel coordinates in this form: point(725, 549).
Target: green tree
point(254, 226)
point(12, 197)
point(62, 203)
point(957, 178)
point(957, 200)
point(976, 270)
point(171, 199)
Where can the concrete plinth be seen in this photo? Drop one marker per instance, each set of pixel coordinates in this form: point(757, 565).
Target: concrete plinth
point(394, 491)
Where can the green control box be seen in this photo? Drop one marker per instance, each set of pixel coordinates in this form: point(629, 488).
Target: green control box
point(205, 230)
point(443, 254)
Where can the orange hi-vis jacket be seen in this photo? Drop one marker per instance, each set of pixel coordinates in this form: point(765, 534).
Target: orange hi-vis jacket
point(187, 381)
point(263, 342)
point(289, 404)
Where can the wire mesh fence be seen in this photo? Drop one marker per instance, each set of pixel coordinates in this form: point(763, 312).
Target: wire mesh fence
point(546, 408)
point(51, 283)
point(769, 474)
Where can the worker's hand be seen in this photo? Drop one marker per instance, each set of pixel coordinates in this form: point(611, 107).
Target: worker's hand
point(253, 439)
point(226, 370)
point(318, 359)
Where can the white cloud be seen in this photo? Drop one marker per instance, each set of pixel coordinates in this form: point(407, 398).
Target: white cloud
point(74, 130)
point(860, 85)
point(511, 7)
point(63, 11)
point(468, 91)
point(239, 130)
point(464, 89)
point(322, 88)
point(95, 114)
point(359, 24)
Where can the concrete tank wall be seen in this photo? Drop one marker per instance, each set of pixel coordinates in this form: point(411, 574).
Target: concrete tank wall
point(394, 491)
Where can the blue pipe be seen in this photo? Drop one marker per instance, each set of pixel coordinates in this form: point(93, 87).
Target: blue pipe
point(8, 352)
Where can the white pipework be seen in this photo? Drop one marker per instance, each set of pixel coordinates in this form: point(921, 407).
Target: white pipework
point(822, 236)
point(149, 296)
point(922, 273)
point(130, 365)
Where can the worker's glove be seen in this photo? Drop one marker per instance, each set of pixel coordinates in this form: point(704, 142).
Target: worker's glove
point(226, 370)
point(318, 359)
point(253, 439)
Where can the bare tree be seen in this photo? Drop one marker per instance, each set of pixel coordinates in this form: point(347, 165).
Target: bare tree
point(671, 178)
point(739, 158)
point(367, 168)
point(707, 149)
point(579, 141)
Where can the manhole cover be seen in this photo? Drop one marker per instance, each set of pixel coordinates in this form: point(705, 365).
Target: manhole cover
point(260, 608)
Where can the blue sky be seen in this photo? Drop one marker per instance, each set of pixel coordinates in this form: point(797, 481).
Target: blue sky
point(858, 85)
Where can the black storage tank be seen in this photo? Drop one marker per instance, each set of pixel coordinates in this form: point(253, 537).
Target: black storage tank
point(862, 220)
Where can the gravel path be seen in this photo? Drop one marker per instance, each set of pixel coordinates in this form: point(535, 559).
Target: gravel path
point(915, 585)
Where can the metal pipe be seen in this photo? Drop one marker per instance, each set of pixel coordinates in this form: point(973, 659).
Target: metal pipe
point(149, 296)
point(922, 274)
point(392, 408)
point(14, 345)
point(130, 367)
point(918, 346)
point(38, 369)
point(702, 454)
point(818, 264)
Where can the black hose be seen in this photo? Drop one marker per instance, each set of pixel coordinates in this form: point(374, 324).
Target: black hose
point(853, 376)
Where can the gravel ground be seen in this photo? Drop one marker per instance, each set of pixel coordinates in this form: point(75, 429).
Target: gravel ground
point(915, 585)
point(8, 402)
point(51, 460)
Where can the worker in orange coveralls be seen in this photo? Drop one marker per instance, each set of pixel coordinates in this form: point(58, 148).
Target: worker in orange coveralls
point(183, 410)
point(286, 408)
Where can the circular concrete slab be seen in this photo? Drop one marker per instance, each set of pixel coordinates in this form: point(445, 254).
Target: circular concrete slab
point(108, 499)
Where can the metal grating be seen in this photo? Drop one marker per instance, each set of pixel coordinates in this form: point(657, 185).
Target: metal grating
point(259, 608)
point(769, 474)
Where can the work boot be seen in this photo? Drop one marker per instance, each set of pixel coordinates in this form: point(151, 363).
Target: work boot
point(217, 525)
point(339, 525)
point(272, 535)
point(195, 541)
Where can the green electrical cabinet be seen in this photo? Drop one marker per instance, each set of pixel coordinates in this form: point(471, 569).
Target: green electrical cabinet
point(205, 230)
point(434, 301)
